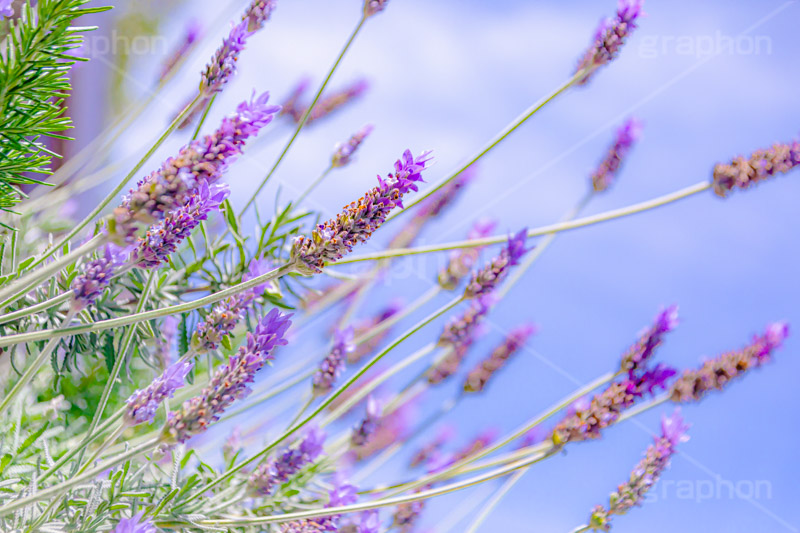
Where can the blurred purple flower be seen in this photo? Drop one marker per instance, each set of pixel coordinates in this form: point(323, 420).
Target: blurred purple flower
point(715, 374)
point(267, 477)
point(6, 8)
point(190, 36)
point(609, 38)
point(478, 378)
point(372, 7)
point(627, 135)
point(763, 164)
point(461, 261)
point(135, 524)
point(258, 13)
point(368, 425)
point(333, 365)
point(344, 151)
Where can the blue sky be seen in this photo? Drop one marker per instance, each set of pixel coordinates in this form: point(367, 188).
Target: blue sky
point(710, 80)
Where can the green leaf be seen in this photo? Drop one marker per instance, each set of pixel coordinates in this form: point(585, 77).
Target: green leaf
point(109, 353)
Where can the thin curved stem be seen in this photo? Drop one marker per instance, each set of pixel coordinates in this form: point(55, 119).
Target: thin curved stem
point(22, 285)
point(489, 506)
point(542, 230)
point(102, 325)
point(307, 114)
point(34, 367)
point(42, 306)
point(497, 139)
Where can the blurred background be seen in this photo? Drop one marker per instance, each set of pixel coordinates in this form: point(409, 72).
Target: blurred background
point(710, 80)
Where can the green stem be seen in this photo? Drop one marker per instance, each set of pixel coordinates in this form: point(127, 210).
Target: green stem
point(535, 232)
point(497, 139)
point(313, 186)
point(307, 114)
point(34, 367)
point(330, 399)
point(56, 490)
point(43, 306)
point(203, 118)
point(102, 325)
point(113, 194)
point(121, 356)
point(487, 509)
point(22, 285)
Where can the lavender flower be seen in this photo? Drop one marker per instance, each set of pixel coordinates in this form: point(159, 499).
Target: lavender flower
point(223, 65)
point(482, 373)
point(763, 164)
point(609, 38)
point(486, 280)
point(372, 7)
point(199, 162)
point(715, 374)
point(368, 425)
point(461, 261)
point(230, 381)
point(393, 427)
point(6, 8)
point(258, 13)
point(227, 313)
point(325, 105)
point(627, 135)
point(267, 477)
point(97, 274)
point(335, 238)
point(484, 439)
point(344, 151)
point(190, 36)
point(644, 475)
point(637, 355)
point(342, 494)
point(333, 365)
point(365, 326)
point(135, 524)
point(143, 403)
point(457, 337)
point(407, 515)
point(291, 104)
point(163, 238)
point(587, 419)
point(431, 208)
point(431, 451)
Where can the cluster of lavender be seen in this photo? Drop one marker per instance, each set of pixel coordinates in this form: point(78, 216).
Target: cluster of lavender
point(609, 38)
point(644, 475)
point(225, 315)
point(763, 164)
point(342, 494)
point(229, 382)
point(264, 480)
point(201, 162)
point(335, 238)
point(326, 105)
point(480, 375)
point(626, 137)
point(715, 374)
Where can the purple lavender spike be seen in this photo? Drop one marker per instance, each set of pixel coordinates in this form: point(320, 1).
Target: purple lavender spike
point(143, 403)
point(609, 38)
point(461, 261)
point(333, 365)
point(763, 164)
point(371, 7)
point(626, 137)
point(486, 280)
point(644, 475)
point(478, 378)
point(97, 274)
point(163, 238)
point(368, 425)
point(230, 381)
point(335, 238)
point(267, 477)
point(344, 151)
point(715, 374)
point(638, 355)
point(342, 494)
point(135, 524)
point(202, 161)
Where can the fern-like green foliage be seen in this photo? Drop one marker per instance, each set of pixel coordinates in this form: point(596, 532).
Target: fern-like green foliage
point(34, 63)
